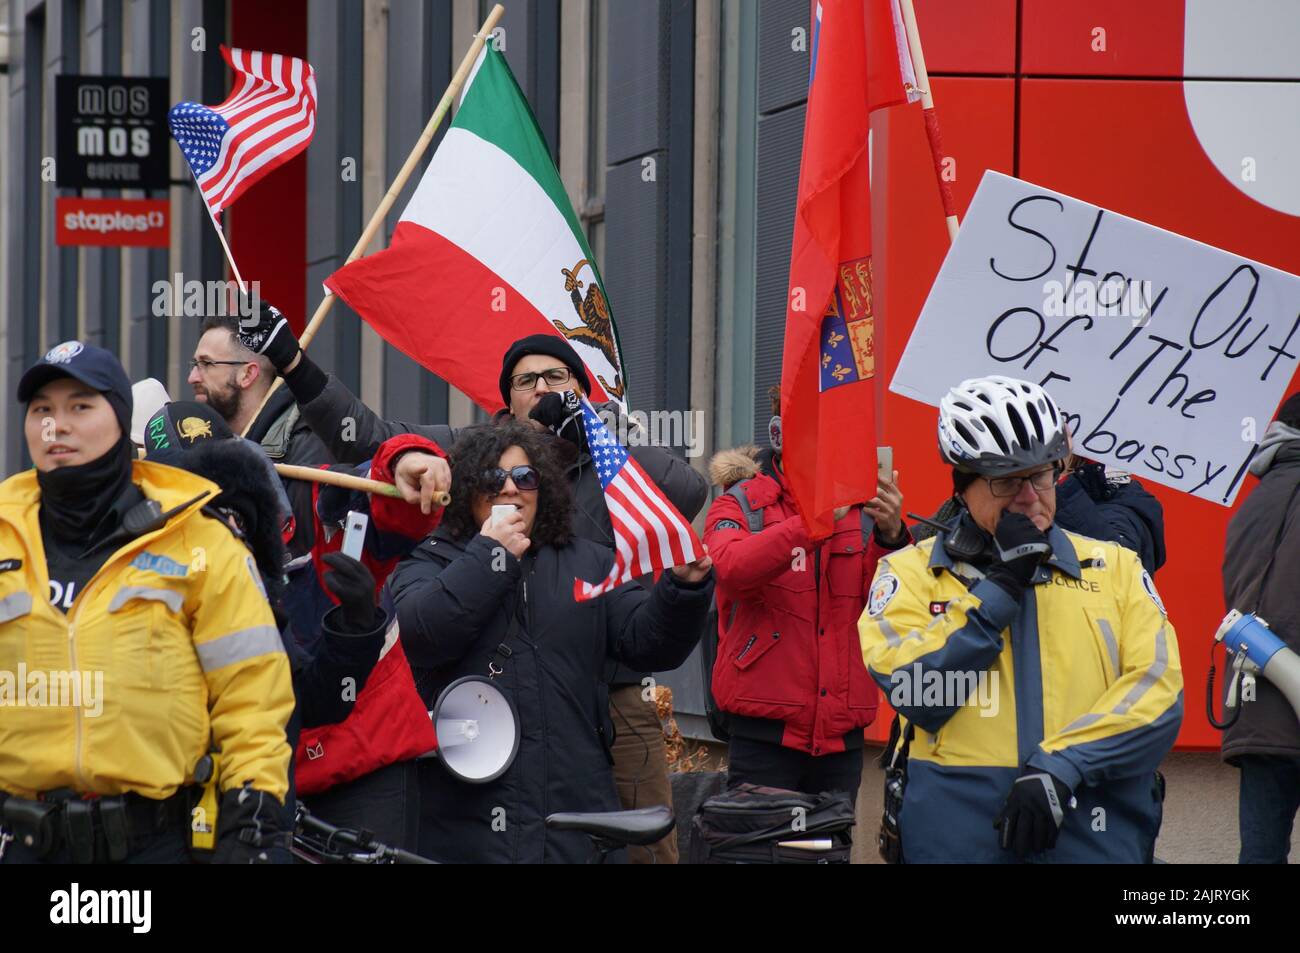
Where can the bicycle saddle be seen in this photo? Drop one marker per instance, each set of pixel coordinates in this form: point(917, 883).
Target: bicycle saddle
point(643, 826)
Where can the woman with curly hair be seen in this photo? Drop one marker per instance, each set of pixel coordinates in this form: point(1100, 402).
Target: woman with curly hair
point(485, 597)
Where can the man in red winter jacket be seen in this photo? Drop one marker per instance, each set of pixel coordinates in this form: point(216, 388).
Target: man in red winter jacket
point(789, 672)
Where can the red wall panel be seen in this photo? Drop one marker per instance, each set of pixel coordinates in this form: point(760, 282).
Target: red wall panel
point(1141, 38)
point(959, 36)
point(1147, 162)
point(1126, 144)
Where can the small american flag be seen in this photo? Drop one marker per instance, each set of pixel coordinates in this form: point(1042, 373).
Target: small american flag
point(267, 119)
point(649, 534)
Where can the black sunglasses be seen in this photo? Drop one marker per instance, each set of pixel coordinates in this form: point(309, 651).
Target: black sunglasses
point(524, 477)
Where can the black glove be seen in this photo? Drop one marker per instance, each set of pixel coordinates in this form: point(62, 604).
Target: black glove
point(354, 586)
point(271, 336)
point(251, 830)
point(1019, 546)
point(561, 416)
point(1032, 815)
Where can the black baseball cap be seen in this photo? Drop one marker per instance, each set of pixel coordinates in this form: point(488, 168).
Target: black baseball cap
point(180, 425)
point(89, 364)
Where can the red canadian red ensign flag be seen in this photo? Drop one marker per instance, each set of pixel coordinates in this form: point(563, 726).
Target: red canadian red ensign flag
point(859, 64)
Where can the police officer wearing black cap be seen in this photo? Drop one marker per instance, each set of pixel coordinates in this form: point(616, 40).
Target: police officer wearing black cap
point(133, 639)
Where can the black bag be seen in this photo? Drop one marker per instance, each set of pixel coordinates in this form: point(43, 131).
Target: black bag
point(751, 824)
point(894, 760)
point(719, 721)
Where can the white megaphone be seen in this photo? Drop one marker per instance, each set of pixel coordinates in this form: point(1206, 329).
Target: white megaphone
point(1255, 650)
point(477, 728)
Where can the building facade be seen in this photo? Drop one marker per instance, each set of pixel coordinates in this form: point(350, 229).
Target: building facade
point(677, 128)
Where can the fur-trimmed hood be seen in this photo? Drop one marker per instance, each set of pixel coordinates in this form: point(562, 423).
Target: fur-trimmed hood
point(729, 467)
point(250, 486)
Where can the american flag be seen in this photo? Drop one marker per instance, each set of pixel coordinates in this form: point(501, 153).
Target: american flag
point(649, 534)
point(267, 119)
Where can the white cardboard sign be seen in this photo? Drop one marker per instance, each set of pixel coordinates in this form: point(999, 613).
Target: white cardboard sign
point(1168, 356)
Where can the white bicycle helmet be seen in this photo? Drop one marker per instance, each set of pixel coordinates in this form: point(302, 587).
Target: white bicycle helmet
point(998, 425)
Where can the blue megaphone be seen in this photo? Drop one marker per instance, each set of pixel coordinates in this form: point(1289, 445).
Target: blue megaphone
point(1255, 650)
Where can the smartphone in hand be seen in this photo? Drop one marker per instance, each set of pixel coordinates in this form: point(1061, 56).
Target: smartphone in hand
point(885, 463)
point(354, 537)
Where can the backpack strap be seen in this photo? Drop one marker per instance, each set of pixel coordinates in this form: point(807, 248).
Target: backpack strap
point(753, 516)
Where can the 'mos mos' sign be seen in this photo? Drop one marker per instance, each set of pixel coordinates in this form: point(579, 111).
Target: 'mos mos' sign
point(111, 132)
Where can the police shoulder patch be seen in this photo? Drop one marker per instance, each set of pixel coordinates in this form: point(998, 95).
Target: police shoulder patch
point(1150, 586)
point(882, 591)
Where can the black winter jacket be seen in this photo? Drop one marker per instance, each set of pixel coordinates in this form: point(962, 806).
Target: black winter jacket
point(1125, 513)
point(287, 438)
point(352, 432)
point(463, 605)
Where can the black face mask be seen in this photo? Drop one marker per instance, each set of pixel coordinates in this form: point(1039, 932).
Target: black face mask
point(74, 500)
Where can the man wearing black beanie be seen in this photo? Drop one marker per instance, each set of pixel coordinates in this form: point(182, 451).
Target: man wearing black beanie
point(535, 371)
point(541, 346)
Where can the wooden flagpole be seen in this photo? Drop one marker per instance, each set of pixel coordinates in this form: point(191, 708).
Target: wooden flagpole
point(399, 183)
point(230, 257)
point(348, 481)
point(930, 116)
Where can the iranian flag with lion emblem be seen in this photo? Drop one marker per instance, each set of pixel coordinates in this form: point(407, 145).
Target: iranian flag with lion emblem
point(488, 251)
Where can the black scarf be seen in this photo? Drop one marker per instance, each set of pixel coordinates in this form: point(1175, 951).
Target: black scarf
point(74, 500)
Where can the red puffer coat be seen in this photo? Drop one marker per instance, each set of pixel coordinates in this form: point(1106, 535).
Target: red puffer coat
point(788, 610)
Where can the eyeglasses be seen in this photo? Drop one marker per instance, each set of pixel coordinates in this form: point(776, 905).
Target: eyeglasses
point(524, 478)
point(1042, 481)
point(204, 365)
point(552, 375)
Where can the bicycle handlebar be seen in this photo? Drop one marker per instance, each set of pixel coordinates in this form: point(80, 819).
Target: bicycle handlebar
point(371, 850)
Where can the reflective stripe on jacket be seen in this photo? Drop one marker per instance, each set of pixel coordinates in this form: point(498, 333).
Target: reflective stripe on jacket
point(170, 648)
point(1081, 679)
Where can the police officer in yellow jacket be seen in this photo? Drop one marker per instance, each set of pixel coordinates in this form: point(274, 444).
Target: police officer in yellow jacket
point(1037, 670)
point(134, 639)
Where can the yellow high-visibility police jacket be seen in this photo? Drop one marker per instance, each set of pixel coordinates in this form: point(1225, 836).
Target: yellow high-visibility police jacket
point(1080, 678)
point(169, 649)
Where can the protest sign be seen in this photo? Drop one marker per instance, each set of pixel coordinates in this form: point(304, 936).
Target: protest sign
point(1168, 356)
